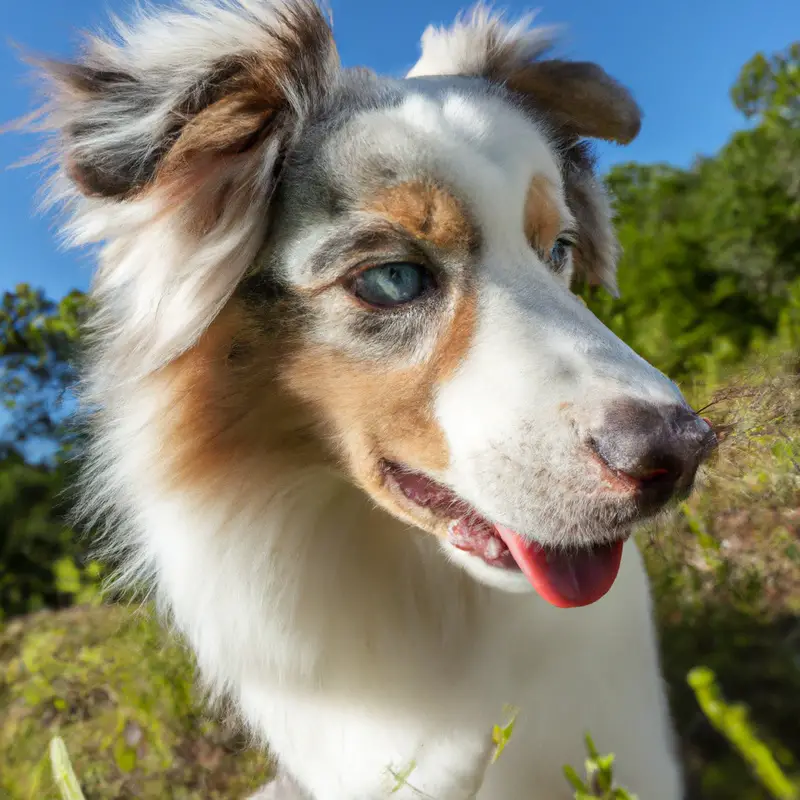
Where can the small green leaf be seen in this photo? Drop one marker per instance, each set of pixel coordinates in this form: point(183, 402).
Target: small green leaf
point(501, 735)
point(574, 779)
point(124, 756)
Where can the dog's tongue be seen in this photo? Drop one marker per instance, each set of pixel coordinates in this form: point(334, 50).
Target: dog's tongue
point(566, 580)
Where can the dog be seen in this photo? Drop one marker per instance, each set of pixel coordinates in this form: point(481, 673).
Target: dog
point(350, 421)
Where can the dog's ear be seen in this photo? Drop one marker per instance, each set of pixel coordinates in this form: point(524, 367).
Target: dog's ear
point(180, 92)
point(169, 140)
point(572, 99)
point(578, 98)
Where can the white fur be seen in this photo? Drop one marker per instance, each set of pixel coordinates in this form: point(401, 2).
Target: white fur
point(537, 348)
point(353, 648)
point(476, 40)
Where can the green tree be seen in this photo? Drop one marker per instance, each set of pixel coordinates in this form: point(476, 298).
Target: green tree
point(769, 86)
point(37, 347)
point(40, 555)
point(711, 264)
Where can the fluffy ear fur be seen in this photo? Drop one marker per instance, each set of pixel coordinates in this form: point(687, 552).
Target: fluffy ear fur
point(575, 99)
point(597, 249)
point(579, 98)
point(179, 124)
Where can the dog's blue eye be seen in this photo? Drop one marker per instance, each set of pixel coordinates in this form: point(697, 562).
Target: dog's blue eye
point(560, 252)
point(392, 284)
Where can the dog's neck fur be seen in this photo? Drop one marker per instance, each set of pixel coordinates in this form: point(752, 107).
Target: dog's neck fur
point(335, 588)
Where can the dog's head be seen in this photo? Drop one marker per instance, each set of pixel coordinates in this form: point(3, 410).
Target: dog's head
point(376, 273)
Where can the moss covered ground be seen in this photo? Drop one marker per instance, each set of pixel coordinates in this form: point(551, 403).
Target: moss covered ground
point(121, 695)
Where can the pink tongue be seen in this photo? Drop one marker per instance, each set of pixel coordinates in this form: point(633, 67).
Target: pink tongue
point(566, 580)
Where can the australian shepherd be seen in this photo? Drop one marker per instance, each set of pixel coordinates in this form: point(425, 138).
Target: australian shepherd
point(375, 458)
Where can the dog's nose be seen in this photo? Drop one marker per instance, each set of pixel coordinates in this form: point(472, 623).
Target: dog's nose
point(656, 449)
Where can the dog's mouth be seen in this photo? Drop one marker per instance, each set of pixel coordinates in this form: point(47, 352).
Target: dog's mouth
point(564, 578)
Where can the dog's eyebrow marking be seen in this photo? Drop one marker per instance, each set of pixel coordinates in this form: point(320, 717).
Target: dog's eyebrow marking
point(427, 211)
point(543, 219)
point(361, 240)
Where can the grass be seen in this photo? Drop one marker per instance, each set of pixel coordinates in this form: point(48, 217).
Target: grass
point(726, 581)
point(119, 694)
point(64, 776)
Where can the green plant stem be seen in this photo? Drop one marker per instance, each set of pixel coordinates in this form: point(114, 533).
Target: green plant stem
point(731, 721)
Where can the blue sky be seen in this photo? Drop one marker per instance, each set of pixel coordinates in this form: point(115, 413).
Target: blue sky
point(678, 56)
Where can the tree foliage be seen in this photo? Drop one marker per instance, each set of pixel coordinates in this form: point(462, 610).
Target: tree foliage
point(711, 264)
point(37, 548)
point(37, 347)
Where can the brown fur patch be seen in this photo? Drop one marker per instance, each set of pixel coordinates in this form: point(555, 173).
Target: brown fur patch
point(248, 397)
point(379, 413)
point(427, 212)
point(226, 128)
point(227, 411)
point(542, 217)
point(238, 106)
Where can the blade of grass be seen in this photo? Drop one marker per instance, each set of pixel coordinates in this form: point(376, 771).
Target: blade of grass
point(63, 774)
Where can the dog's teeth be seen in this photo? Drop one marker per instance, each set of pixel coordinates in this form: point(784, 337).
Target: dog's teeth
point(493, 548)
